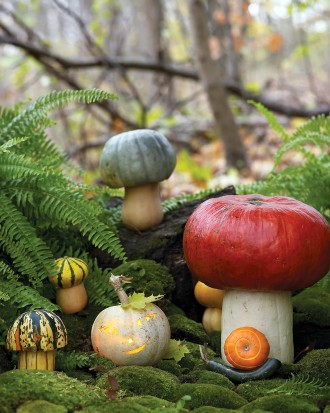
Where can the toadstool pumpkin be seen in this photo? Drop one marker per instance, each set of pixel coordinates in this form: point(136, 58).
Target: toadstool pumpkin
point(258, 249)
point(71, 294)
point(130, 336)
point(36, 334)
point(138, 160)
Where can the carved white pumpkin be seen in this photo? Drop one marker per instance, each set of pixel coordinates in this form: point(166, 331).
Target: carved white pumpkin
point(129, 336)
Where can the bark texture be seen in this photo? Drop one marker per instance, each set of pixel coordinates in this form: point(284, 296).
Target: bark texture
point(210, 76)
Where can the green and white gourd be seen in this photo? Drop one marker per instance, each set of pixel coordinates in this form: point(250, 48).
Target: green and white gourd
point(138, 160)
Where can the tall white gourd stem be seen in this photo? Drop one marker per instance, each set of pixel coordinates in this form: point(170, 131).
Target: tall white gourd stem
point(269, 312)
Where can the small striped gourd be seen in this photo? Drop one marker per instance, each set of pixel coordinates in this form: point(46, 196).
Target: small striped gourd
point(36, 334)
point(71, 294)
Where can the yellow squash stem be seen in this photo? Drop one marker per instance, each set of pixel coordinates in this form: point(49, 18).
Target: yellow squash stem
point(36, 360)
point(142, 208)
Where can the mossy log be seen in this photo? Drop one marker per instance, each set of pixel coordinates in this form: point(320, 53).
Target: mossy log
point(164, 245)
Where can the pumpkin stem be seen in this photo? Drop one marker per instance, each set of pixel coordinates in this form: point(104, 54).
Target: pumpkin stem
point(116, 282)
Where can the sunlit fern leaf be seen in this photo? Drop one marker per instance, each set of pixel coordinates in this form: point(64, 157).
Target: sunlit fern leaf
point(35, 115)
point(272, 120)
point(298, 143)
point(12, 142)
point(25, 296)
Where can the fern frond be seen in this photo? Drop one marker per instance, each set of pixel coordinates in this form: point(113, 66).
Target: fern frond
point(25, 296)
point(20, 240)
point(35, 116)
point(72, 360)
point(4, 296)
point(298, 142)
point(7, 271)
point(100, 291)
point(13, 142)
point(318, 124)
point(272, 120)
point(301, 386)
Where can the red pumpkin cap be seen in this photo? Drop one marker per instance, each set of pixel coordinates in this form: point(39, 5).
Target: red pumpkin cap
point(255, 242)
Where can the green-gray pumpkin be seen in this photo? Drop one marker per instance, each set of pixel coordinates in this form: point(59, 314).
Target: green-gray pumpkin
point(136, 158)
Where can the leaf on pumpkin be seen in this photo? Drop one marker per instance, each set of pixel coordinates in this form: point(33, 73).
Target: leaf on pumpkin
point(139, 301)
point(176, 350)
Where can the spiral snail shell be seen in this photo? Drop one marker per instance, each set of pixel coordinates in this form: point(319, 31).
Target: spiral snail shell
point(246, 348)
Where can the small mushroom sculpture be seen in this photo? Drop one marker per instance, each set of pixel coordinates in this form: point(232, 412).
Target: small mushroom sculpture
point(258, 249)
point(36, 335)
point(138, 160)
point(130, 336)
point(71, 294)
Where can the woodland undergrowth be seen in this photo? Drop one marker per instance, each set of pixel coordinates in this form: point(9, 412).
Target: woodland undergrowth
point(44, 214)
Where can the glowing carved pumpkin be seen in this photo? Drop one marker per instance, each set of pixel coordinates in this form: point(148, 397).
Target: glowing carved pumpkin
point(130, 336)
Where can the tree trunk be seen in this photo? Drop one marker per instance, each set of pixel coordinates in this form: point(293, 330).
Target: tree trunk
point(217, 97)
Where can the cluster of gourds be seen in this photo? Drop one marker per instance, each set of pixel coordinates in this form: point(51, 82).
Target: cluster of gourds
point(211, 298)
point(248, 252)
point(125, 335)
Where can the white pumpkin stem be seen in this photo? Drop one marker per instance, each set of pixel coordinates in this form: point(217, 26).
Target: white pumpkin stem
point(116, 282)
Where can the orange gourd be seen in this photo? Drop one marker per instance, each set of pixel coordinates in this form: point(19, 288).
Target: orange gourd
point(246, 348)
point(208, 296)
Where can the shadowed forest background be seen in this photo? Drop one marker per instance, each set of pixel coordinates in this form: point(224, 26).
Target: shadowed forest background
point(184, 68)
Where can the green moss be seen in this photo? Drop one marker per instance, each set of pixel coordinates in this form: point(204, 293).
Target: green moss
point(40, 406)
point(173, 309)
point(211, 377)
point(251, 390)
point(312, 306)
point(210, 395)
point(286, 370)
point(118, 406)
point(280, 404)
point(184, 328)
point(212, 409)
point(138, 380)
point(214, 341)
point(149, 277)
point(192, 360)
point(54, 387)
point(316, 364)
point(151, 402)
point(171, 366)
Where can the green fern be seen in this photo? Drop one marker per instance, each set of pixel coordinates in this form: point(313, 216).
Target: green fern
point(37, 197)
point(301, 386)
point(72, 360)
point(309, 181)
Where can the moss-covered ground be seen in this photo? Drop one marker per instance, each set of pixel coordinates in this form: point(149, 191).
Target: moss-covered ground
point(88, 383)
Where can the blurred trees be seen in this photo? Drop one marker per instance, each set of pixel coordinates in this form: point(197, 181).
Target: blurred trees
point(145, 51)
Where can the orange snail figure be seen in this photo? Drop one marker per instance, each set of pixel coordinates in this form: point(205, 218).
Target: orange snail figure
point(246, 348)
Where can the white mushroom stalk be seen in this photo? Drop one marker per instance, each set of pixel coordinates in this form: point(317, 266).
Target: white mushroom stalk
point(269, 312)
